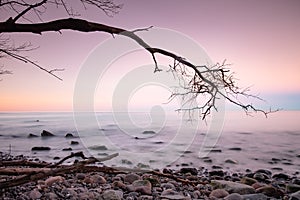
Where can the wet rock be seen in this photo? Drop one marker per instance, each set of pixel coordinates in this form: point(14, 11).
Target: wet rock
point(69, 135)
point(31, 135)
point(142, 186)
point(235, 149)
point(46, 134)
point(112, 195)
point(292, 188)
point(56, 158)
point(216, 173)
point(74, 142)
point(67, 149)
point(130, 178)
point(234, 196)
point(149, 132)
point(191, 170)
point(40, 149)
point(260, 176)
point(230, 161)
point(281, 176)
point(98, 147)
point(215, 151)
point(264, 171)
point(141, 165)
point(232, 187)
point(218, 193)
point(270, 191)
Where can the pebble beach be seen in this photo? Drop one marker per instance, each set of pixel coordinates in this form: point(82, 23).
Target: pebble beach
point(183, 183)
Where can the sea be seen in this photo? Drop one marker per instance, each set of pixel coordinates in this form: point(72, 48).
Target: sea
point(231, 140)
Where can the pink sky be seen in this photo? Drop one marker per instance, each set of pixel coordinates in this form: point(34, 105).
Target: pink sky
point(260, 38)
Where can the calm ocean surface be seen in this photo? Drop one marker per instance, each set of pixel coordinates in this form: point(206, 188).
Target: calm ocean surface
point(233, 141)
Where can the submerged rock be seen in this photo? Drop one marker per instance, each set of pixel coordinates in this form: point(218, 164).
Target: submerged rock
point(31, 135)
point(74, 143)
point(98, 147)
point(40, 149)
point(46, 134)
point(69, 135)
point(149, 132)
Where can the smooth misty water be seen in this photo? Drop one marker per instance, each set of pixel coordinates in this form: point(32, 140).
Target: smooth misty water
point(171, 140)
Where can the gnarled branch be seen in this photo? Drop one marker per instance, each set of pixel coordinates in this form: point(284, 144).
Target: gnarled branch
point(208, 82)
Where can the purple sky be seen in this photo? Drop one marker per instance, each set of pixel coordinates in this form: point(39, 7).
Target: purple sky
point(260, 38)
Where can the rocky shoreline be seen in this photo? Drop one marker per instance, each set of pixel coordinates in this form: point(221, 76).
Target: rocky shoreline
point(184, 183)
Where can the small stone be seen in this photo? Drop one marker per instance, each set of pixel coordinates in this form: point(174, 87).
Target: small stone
point(270, 191)
point(112, 195)
point(46, 134)
point(142, 186)
point(260, 176)
point(31, 135)
point(215, 151)
point(218, 193)
point(56, 158)
point(130, 178)
point(126, 162)
point(80, 176)
point(40, 149)
point(74, 142)
point(248, 181)
point(35, 194)
point(258, 196)
point(51, 180)
point(118, 184)
point(98, 179)
point(191, 170)
point(232, 187)
point(292, 188)
point(234, 196)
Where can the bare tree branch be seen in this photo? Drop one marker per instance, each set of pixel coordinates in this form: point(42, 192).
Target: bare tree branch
point(207, 82)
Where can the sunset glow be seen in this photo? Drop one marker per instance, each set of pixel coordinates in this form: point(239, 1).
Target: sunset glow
point(260, 39)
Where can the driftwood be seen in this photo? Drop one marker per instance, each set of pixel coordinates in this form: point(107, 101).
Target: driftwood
point(35, 174)
point(29, 173)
